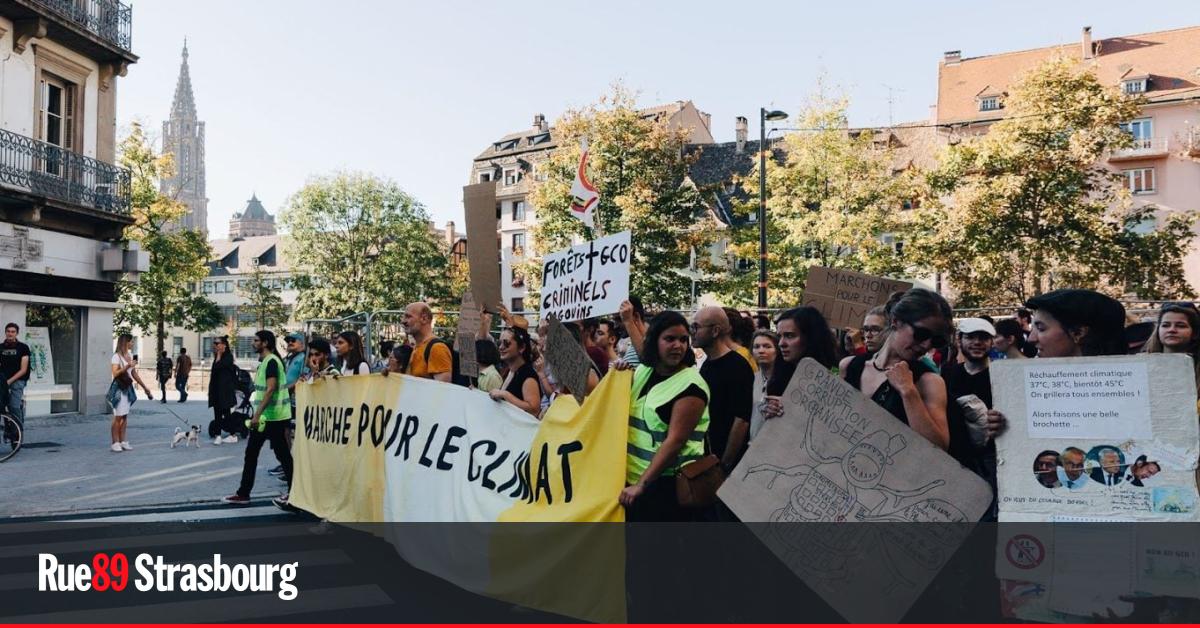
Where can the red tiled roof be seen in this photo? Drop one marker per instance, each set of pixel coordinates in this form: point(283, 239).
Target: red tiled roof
point(1171, 58)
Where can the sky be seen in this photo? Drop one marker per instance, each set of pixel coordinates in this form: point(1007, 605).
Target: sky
point(413, 91)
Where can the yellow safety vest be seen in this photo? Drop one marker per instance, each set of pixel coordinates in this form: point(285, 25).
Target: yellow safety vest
point(280, 406)
point(647, 431)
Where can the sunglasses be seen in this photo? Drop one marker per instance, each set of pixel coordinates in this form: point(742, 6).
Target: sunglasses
point(921, 334)
point(504, 343)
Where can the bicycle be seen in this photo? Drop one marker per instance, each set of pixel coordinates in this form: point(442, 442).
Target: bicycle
point(11, 436)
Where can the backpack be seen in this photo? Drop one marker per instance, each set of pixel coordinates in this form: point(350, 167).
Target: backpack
point(456, 376)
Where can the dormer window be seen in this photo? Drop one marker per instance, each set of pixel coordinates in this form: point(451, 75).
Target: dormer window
point(1135, 86)
point(504, 145)
point(991, 103)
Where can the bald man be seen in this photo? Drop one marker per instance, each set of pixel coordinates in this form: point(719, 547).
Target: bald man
point(730, 383)
point(431, 357)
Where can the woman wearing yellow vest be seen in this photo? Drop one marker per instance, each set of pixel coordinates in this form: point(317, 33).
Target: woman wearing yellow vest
point(668, 419)
point(272, 412)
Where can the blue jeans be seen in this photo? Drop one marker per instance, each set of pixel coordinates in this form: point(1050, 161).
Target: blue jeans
point(16, 400)
point(181, 386)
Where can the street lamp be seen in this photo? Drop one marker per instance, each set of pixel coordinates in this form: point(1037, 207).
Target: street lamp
point(763, 116)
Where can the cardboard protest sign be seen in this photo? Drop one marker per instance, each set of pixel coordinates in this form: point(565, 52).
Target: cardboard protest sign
point(588, 280)
point(1105, 437)
point(844, 296)
point(567, 359)
point(836, 456)
point(468, 326)
point(483, 250)
point(1092, 442)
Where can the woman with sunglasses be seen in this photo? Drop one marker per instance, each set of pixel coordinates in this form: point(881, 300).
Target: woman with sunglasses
point(896, 378)
point(222, 383)
point(1177, 331)
point(521, 387)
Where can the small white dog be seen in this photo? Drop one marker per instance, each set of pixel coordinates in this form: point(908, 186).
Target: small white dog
point(188, 438)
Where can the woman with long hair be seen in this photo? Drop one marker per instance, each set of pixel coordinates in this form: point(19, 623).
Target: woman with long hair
point(896, 378)
point(765, 348)
point(121, 394)
point(521, 386)
point(803, 333)
point(1177, 331)
point(222, 395)
point(668, 421)
point(350, 350)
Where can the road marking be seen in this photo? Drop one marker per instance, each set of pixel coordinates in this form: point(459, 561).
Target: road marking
point(122, 489)
point(64, 481)
point(174, 484)
point(239, 512)
point(129, 543)
point(190, 465)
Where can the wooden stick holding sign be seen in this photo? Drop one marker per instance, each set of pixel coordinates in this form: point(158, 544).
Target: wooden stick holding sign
point(567, 359)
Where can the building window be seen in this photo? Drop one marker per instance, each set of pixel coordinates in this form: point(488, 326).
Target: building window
point(511, 176)
point(1139, 180)
point(484, 177)
point(1141, 130)
point(910, 203)
point(518, 305)
point(1136, 86)
point(56, 119)
point(518, 242)
point(518, 213)
point(518, 278)
point(991, 103)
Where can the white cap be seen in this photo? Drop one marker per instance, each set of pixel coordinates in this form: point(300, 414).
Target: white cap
point(974, 325)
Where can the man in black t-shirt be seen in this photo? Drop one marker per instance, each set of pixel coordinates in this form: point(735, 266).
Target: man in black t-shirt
point(14, 364)
point(970, 442)
point(730, 383)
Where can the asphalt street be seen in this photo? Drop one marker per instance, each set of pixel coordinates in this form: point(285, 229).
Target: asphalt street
point(65, 470)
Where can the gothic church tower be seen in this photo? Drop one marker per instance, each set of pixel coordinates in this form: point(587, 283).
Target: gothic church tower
point(183, 136)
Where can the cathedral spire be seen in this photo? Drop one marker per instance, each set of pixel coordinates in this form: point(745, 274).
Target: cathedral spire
point(184, 105)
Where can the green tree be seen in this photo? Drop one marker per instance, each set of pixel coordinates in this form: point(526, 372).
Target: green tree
point(166, 295)
point(638, 165)
point(834, 193)
point(359, 243)
point(1033, 205)
point(263, 299)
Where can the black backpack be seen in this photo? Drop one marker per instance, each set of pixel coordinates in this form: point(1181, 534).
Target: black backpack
point(456, 376)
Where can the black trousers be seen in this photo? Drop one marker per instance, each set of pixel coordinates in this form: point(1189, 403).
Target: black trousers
point(275, 432)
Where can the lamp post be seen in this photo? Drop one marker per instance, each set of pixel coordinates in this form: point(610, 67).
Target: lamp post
point(763, 116)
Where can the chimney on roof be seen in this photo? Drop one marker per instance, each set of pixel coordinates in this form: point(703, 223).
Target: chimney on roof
point(952, 57)
point(450, 232)
point(1087, 43)
point(741, 129)
point(539, 122)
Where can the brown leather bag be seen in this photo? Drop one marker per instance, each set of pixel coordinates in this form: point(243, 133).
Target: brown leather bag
point(697, 482)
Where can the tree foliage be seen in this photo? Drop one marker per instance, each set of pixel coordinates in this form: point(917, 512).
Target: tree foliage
point(263, 300)
point(639, 166)
point(1033, 204)
point(164, 296)
point(833, 194)
point(359, 243)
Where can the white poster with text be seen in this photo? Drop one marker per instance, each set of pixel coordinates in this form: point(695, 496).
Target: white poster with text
point(588, 280)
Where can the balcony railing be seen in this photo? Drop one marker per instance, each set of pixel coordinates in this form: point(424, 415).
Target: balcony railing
point(47, 170)
point(109, 20)
point(1142, 147)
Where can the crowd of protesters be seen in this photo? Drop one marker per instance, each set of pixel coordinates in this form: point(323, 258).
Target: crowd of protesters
point(704, 386)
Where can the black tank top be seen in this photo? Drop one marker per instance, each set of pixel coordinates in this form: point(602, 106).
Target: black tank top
point(885, 396)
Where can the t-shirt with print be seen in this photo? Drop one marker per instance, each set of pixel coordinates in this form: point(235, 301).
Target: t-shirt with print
point(440, 360)
point(10, 358)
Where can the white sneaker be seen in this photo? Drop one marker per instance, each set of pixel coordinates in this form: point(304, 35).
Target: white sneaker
point(232, 438)
point(125, 445)
point(116, 447)
point(217, 440)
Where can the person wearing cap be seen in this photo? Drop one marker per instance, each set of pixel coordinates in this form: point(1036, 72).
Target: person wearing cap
point(969, 389)
point(295, 367)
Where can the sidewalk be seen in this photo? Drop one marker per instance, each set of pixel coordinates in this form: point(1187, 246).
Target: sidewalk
point(66, 466)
